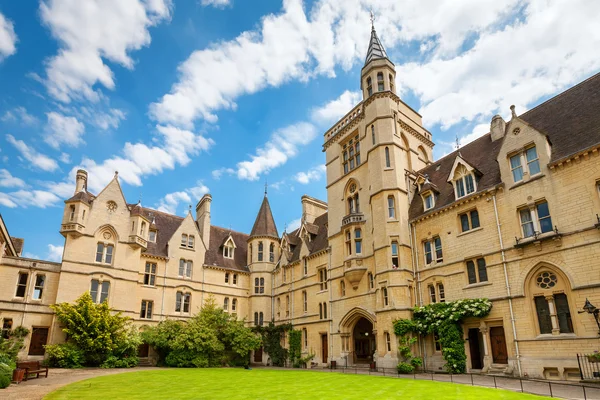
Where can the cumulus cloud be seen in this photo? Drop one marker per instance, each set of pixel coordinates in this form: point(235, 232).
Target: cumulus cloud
point(173, 146)
point(90, 32)
point(215, 3)
point(7, 180)
point(29, 198)
point(335, 109)
point(8, 38)
point(55, 253)
point(29, 154)
point(171, 201)
point(282, 145)
point(19, 114)
point(62, 129)
point(313, 174)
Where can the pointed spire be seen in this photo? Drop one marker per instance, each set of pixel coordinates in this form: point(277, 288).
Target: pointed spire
point(264, 224)
point(376, 50)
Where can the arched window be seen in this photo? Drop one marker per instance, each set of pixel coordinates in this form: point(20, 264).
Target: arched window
point(391, 207)
point(272, 252)
point(226, 277)
point(373, 134)
point(423, 154)
point(406, 149)
point(351, 154)
point(464, 182)
point(256, 319)
point(369, 86)
point(342, 288)
point(226, 304)
point(260, 319)
point(371, 281)
point(391, 78)
point(387, 158)
point(260, 251)
point(551, 301)
point(234, 305)
point(380, 86)
point(384, 294)
point(143, 229)
point(262, 285)
point(256, 285)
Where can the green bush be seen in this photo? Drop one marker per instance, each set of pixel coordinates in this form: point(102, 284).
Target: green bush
point(116, 362)
point(4, 381)
point(416, 362)
point(405, 368)
point(64, 355)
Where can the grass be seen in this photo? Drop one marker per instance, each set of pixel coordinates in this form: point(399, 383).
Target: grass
point(234, 384)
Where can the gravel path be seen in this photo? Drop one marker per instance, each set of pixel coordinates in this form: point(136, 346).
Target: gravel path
point(36, 389)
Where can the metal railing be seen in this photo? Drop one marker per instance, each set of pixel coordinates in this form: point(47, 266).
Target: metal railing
point(589, 366)
point(555, 389)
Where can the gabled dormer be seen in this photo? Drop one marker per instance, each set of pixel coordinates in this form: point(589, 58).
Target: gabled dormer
point(229, 247)
point(463, 178)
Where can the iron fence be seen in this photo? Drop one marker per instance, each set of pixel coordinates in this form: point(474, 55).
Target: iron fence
point(589, 366)
point(561, 390)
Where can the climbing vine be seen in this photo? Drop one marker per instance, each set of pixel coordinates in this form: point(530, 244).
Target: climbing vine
point(295, 347)
point(272, 335)
point(444, 319)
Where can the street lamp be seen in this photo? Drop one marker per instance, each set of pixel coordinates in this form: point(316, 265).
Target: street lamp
point(591, 309)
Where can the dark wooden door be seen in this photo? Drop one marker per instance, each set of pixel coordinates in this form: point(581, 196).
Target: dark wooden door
point(143, 350)
point(324, 347)
point(499, 352)
point(39, 338)
point(258, 355)
point(475, 349)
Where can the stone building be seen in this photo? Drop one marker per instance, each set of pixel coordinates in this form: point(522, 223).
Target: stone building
point(511, 216)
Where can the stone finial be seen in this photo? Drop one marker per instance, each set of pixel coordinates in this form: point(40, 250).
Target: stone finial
point(512, 110)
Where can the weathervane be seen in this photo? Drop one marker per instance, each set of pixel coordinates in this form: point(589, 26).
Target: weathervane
point(457, 143)
point(266, 185)
point(372, 19)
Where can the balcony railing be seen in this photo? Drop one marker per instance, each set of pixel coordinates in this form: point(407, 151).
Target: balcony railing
point(354, 218)
point(73, 228)
point(537, 237)
point(138, 241)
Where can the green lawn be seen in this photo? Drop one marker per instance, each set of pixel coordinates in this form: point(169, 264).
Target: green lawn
point(233, 384)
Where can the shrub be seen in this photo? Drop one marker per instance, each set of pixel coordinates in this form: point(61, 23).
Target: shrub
point(64, 355)
point(4, 381)
point(405, 368)
point(416, 362)
point(116, 362)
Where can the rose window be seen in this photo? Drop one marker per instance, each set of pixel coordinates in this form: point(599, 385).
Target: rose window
point(546, 280)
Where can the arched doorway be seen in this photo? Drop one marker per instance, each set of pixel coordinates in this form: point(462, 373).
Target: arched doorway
point(364, 341)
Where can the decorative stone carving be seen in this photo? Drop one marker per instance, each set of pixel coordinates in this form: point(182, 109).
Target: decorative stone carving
point(111, 206)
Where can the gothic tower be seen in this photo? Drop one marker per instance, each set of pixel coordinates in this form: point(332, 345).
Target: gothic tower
point(263, 254)
point(371, 154)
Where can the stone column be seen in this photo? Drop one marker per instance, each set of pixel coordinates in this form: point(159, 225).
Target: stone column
point(487, 359)
point(553, 316)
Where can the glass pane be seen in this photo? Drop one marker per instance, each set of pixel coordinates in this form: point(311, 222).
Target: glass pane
point(474, 219)
point(186, 303)
point(395, 248)
point(464, 222)
point(178, 302)
point(438, 248)
point(534, 167)
point(471, 272)
point(104, 292)
point(564, 314)
point(181, 267)
point(544, 217)
point(543, 314)
point(149, 310)
point(517, 169)
point(94, 290)
point(470, 184)
point(460, 188)
point(109, 252)
point(358, 247)
point(99, 252)
point(531, 154)
point(482, 270)
point(357, 234)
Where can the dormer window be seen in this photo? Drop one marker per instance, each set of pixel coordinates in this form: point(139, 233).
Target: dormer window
point(464, 182)
point(428, 200)
point(152, 236)
point(228, 251)
point(529, 157)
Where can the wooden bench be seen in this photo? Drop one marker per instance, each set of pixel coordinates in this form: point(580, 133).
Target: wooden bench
point(32, 367)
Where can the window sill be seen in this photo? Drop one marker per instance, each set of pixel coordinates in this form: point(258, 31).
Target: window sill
point(149, 286)
point(549, 336)
point(469, 231)
point(322, 291)
point(524, 182)
point(392, 220)
point(540, 238)
point(476, 285)
point(388, 169)
point(186, 248)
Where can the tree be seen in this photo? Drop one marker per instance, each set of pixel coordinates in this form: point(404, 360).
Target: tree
point(98, 333)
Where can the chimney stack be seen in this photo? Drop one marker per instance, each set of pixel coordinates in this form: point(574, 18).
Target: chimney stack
point(81, 181)
point(497, 127)
point(203, 217)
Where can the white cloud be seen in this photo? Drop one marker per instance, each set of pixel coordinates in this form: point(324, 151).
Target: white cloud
point(19, 114)
point(335, 109)
point(8, 38)
point(29, 154)
point(90, 32)
point(313, 174)
point(64, 190)
point(62, 129)
point(282, 145)
point(218, 173)
point(30, 255)
point(174, 147)
point(293, 225)
point(170, 202)
point(55, 253)
point(29, 198)
point(216, 3)
point(65, 158)
point(7, 180)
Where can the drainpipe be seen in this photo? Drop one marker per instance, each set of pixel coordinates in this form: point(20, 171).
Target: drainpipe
point(418, 286)
point(508, 293)
point(330, 305)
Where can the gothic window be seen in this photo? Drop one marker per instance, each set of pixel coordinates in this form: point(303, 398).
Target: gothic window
point(104, 253)
point(305, 270)
point(255, 319)
point(469, 220)
point(351, 154)
point(99, 290)
point(477, 274)
point(262, 285)
point(464, 182)
point(146, 310)
point(260, 251)
point(380, 86)
point(272, 252)
point(551, 302)
point(358, 240)
point(369, 86)
point(323, 278)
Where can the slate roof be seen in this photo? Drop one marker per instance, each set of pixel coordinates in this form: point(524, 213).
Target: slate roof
point(84, 196)
point(214, 255)
point(264, 224)
point(571, 120)
point(376, 50)
point(165, 225)
point(18, 243)
point(318, 243)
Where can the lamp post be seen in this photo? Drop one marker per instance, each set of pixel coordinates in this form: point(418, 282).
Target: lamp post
point(591, 309)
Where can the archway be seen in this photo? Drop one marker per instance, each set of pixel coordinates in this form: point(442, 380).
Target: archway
point(364, 341)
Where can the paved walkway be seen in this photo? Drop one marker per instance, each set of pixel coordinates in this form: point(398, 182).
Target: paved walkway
point(36, 389)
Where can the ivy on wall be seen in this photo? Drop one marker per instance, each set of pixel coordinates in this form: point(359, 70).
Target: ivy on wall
point(295, 347)
point(444, 319)
point(272, 336)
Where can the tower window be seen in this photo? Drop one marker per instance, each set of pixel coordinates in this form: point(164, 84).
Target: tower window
point(380, 87)
point(371, 281)
point(387, 158)
point(391, 82)
point(373, 133)
point(358, 241)
point(369, 86)
point(394, 254)
point(351, 154)
point(391, 207)
point(304, 301)
point(71, 213)
point(260, 251)
point(272, 252)
point(384, 293)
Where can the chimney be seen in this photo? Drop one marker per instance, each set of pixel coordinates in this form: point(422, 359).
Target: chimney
point(203, 217)
point(497, 127)
point(312, 208)
point(81, 181)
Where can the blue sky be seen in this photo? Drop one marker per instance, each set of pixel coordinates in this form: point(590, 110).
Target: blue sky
point(188, 97)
